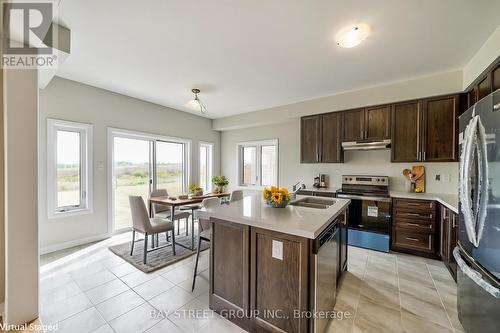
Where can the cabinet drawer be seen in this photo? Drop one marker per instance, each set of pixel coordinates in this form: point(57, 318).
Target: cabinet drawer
point(412, 240)
point(419, 216)
point(414, 226)
point(421, 205)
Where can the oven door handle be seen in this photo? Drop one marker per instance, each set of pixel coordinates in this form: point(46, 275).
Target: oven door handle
point(362, 197)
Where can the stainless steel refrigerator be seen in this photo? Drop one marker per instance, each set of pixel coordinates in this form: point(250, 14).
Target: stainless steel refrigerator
point(478, 250)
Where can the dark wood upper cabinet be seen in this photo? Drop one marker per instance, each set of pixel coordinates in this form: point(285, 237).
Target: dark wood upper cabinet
point(405, 121)
point(472, 97)
point(321, 138)
point(425, 130)
point(439, 130)
point(377, 123)
point(484, 87)
point(496, 78)
point(353, 125)
point(310, 139)
point(331, 136)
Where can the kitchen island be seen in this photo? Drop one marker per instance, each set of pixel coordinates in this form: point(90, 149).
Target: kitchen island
point(273, 269)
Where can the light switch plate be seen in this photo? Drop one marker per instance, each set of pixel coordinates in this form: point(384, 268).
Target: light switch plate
point(278, 250)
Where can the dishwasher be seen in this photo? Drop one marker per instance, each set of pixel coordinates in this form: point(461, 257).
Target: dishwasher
point(326, 260)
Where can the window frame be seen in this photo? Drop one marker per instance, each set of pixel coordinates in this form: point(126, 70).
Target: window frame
point(86, 168)
point(210, 164)
point(239, 158)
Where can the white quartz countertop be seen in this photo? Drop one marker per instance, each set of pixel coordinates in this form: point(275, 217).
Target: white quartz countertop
point(293, 220)
point(446, 199)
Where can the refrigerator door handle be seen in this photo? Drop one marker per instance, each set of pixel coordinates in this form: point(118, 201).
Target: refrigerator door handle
point(483, 180)
point(474, 219)
point(475, 275)
point(464, 180)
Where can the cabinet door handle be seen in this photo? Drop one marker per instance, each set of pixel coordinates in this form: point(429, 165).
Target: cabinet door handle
point(418, 156)
point(413, 224)
point(413, 239)
point(412, 204)
point(424, 156)
point(362, 134)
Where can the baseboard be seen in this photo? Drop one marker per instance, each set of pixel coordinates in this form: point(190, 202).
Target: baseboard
point(72, 243)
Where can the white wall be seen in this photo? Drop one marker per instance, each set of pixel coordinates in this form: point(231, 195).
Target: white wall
point(439, 84)
point(21, 205)
point(69, 100)
point(487, 54)
point(356, 162)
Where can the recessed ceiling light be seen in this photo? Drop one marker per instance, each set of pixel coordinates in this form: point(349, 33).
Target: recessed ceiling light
point(353, 35)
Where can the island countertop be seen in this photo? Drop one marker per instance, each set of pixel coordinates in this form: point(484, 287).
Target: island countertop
point(294, 220)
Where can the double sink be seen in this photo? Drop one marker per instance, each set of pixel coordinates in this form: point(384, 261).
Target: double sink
point(313, 202)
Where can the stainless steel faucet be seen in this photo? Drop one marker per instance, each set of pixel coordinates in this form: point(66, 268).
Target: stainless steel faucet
point(296, 188)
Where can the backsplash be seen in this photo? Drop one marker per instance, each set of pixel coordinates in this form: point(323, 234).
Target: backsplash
point(377, 162)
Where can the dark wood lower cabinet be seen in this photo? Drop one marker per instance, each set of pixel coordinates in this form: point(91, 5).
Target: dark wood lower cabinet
point(229, 273)
point(448, 239)
point(343, 247)
point(261, 290)
point(414, 227)
point(277, 286)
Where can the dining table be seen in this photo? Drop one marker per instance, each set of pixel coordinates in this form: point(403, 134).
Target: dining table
point(174, 202)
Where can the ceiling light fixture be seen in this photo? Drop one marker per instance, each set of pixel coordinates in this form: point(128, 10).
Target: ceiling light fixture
point(352, 36)
point(196, 104)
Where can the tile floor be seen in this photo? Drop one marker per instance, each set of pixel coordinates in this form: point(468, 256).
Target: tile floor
point(92, 290)
point(389, 292)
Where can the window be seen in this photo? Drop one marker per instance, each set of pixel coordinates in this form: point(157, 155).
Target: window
point(206, 165)
point(69, 167)
point(258, 163)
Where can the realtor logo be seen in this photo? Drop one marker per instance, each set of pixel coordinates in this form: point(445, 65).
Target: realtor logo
point(27, 28)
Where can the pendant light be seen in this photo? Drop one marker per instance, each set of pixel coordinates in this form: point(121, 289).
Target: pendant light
point(195, 103)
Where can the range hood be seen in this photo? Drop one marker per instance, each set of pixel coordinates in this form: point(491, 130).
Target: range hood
point(366, 145)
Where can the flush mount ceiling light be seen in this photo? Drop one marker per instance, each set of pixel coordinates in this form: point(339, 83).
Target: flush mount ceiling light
point(352, 36)
point(195, 103)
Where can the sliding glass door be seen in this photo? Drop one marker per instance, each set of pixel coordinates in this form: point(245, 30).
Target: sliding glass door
point(132, 176)
point(141, 163)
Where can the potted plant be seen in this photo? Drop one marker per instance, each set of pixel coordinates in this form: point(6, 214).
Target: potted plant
point(276, 197)
point(196, 190)
point(220, 183)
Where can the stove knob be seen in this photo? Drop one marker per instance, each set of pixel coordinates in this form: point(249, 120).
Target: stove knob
point(378, 179)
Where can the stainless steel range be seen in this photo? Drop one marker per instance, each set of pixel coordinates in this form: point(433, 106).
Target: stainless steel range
point(369, 218)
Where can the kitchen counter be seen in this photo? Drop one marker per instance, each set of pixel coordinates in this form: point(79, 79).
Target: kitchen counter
point(448, 200)
point(293, 220)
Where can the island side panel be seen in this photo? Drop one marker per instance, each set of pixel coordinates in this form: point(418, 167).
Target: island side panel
point(279, 284)
point(229, 267)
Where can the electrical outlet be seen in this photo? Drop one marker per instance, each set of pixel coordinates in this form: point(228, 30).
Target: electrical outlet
point(446, 178)
point(438, 178)
point(278, 250)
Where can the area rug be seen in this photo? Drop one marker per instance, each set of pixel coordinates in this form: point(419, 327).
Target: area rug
point(159, 258)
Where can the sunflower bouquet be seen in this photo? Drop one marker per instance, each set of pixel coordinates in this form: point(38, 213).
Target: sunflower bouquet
point(276, 197)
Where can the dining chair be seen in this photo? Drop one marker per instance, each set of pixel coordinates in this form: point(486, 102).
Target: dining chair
point(205, 231)
point(148, 226)
point(163, 211)
point(236, 195)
